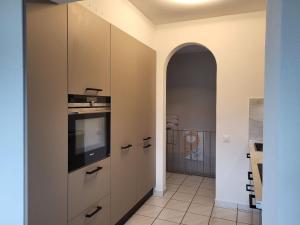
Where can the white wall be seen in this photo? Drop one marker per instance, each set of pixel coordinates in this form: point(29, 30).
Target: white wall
point(125, 16)
point(238, 43)
point(281, 193)
point(12, 113)
point(191, 90)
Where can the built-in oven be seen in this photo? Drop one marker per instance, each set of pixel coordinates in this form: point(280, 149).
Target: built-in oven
point(89, 130)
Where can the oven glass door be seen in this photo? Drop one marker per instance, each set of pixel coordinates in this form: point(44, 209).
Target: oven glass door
point(89, 138)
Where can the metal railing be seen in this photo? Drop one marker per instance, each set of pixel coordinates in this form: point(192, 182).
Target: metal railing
point(191, 151)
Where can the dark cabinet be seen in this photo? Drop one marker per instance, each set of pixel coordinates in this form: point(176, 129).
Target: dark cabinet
point(88, 51)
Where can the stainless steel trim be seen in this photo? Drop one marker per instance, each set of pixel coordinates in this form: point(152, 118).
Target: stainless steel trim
point(87, 104)
point(87, 110)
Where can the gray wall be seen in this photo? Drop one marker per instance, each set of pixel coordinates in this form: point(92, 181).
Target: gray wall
point(12, 113)
point(191, 90)
point(281, 193)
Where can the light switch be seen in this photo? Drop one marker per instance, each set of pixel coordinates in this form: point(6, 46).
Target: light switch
point(226, 138)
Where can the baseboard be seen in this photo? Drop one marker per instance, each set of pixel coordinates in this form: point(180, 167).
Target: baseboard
point(232, 205)
point(225, 204)
point(135, 208)
point(159, 193)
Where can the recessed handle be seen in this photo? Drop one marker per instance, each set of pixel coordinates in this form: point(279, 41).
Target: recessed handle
point(248, 156)
point(147, 146)
point(250, 176)
point(249, 187)
point(94, 89)
point(94, 171)
point(251, 205)
point(126, 147)
point(147, 139)
point(98, 209)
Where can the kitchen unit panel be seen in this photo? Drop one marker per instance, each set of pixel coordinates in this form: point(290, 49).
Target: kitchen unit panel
point(47, 116)
point(146, 120)
point(97, 214)
point(124, 124)
point(88, 51)
point(87, 184)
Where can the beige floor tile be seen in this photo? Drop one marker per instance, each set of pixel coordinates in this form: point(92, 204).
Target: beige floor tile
point(169, 194)
point(200, 209)
point(157, 201)
point(183, 196)
point(226, 214)
point(206, 192)
point(171, 215)
point(140, 220)
point(216, 221)
point(203, 200)
point(175, 180)
point(149, 210)
point(178, 205)
point(208, 186)
point(195, 219)
point(188, 189)
point(244, 217)
point(163, 222)
point(172, 187)
point(191, 183)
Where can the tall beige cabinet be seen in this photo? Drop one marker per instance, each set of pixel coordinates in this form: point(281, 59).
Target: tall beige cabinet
point(133, 122)
point(88, 51)
point(47, 117)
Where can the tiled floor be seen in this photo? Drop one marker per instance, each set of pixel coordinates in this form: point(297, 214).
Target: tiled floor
point(190, 201)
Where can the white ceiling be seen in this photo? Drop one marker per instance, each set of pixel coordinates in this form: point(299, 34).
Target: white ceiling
point(168, 11)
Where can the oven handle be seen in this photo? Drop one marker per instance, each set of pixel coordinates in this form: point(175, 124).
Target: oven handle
point(94, 89)
point(94, 171)
point(126, 147)
point(99, 208)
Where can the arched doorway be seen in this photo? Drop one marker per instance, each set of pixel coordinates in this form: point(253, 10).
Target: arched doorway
point(191, 111)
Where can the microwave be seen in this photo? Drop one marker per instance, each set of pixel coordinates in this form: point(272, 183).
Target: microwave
point(88, 130)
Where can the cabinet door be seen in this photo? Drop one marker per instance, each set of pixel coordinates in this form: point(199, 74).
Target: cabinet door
point(47, 116)
point(123, 161)
point(88, 51)
point(146, 120)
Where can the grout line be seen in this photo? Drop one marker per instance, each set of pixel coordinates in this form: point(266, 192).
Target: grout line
point(191, 201)
point(166, 203)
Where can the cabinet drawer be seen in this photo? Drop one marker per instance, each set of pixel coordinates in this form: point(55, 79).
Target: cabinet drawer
point(97, 214)
point(87, 185)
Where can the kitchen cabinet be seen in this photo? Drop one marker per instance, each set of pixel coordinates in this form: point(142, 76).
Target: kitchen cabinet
point(87, 184)
point(123, 126)
point(97, 214)
point(133, 119)
point(47, 116)
point(146, 119)
point(88, 51)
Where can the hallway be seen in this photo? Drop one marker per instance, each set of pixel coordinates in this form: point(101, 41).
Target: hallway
point(189, 200)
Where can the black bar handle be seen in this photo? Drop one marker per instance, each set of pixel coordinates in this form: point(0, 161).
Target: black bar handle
point(94, 171)
point(250, 177)
point(249, 187)
point(147, 146)
point(248, 156)
point(94, 89)
point(147, 139)
point(98, 209)
point(251, 205)
point(126, 147)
